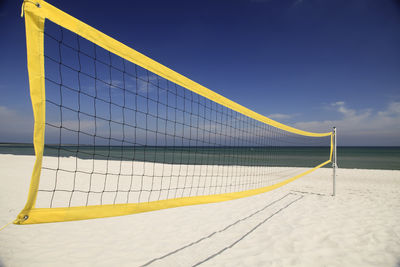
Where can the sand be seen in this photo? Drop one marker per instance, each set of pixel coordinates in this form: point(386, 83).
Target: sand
point(300, 224)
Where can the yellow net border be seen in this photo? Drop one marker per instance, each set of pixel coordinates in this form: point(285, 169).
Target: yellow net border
point(35, 13)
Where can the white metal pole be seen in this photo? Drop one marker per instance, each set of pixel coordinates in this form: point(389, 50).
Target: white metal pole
point(334, 163)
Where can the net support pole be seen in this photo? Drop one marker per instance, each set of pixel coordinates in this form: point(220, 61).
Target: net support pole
point(334, 163)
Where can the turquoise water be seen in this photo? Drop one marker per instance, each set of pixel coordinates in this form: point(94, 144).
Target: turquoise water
point(348, 157)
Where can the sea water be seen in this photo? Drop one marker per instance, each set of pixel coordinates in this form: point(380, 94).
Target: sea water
point(348, 157)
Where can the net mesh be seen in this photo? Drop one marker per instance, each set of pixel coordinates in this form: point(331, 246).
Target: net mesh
point(118, 133)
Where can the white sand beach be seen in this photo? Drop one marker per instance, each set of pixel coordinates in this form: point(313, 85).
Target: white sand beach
point(299, 224)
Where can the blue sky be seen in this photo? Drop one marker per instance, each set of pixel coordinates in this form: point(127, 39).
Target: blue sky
point(311, 64)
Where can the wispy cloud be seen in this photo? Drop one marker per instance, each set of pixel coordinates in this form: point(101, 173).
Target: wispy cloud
point(281, 116)
point(361, 127)
point(16, 127)
point(297, 3)
point(341, 107)
point(145, 83)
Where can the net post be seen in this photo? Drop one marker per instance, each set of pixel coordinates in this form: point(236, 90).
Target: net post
point(334, 162)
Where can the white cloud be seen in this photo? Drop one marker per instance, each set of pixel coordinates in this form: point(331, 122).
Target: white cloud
point(392, 110)
point(355, 127)
point(146, 83)
point(16, 127)
point(361, 127)
point(280, 116)
point(341, 107)
point(143, 83)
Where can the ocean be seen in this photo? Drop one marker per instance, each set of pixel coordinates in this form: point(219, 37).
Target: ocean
point(348, 157)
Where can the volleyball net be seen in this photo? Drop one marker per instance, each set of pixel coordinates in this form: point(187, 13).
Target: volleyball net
point(117, 133)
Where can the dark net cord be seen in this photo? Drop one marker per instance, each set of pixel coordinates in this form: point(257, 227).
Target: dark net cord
point(117, 133)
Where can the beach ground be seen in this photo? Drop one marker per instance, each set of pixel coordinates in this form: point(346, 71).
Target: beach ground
point(299, 224)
